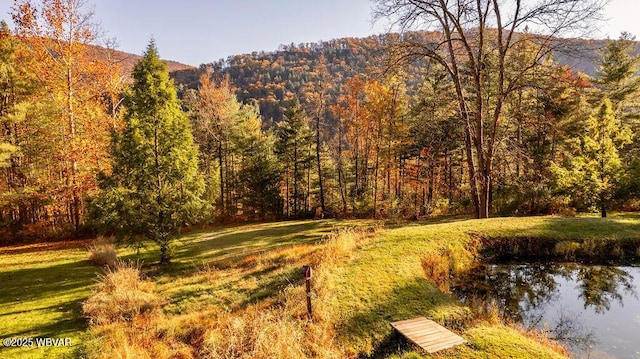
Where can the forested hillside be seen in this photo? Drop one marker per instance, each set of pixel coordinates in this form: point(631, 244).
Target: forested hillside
point(388, 126)
point(390, 137)
point(274, 78)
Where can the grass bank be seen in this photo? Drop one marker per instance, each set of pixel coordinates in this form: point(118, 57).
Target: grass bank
point(384, 281)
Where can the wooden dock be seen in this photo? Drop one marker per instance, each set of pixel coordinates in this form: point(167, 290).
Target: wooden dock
point(428, 334)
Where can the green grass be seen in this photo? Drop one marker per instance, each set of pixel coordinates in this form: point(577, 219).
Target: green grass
point(234, 266)
point(43, 288)
point(491, 342)
point(40, 296)
point(384, 282)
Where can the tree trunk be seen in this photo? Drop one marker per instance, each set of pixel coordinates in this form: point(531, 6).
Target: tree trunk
point(165, 255)
point(307, 198)
point(341, 180)
point(295, 179)
point(430, 189)
point(287, 199)
point(450, 175)
point(223, 212)
point(320, 183)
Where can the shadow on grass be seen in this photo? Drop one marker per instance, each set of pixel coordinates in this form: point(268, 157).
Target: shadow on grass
point(44, 246)
point(266, 236)
point(441, 219)
point(415, 299)
point(45, 301)
point(227, 246)
point(70, 322)
point(32, 284)
point(274, 285)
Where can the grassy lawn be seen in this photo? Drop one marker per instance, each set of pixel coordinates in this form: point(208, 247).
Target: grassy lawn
point(40, 296)
point(384, 281)
point(235, 266)
point(43, 286)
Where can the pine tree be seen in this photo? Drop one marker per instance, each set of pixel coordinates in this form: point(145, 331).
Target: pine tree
point(155, 187)
point(593, 167)
point(294, 144)
point(260, 175)
point(617, 78)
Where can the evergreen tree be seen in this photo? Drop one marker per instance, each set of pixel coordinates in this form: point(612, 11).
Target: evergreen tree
point(260, 174)
point(592, 169)
point(294, 148)
point(617, 78)
point(155, 187)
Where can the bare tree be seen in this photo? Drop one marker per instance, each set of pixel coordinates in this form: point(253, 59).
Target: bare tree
point(474, 41)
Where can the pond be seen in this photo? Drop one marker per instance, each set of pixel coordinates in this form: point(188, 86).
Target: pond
point(594, 310)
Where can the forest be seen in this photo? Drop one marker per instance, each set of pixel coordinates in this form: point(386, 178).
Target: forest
point(300, 203)
point(379, 127)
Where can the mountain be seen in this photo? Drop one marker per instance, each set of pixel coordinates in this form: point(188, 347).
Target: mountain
point(127, 60)
point(273, 78)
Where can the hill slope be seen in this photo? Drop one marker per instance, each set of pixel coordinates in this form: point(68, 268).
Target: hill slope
point(273, 78)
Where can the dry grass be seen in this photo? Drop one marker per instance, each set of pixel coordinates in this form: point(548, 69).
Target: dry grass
point(276, 328)
point(283, 330)
point(141, 338)
point(543, 338)
point(103, 253)
point(567, 250)
point(256, 334)
point(442, 265)
point(121, 295)
point(437, 268)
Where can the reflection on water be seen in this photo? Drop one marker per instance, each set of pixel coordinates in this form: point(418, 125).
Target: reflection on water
point(593, 309)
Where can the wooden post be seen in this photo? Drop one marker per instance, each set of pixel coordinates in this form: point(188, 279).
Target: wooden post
point(306, 272)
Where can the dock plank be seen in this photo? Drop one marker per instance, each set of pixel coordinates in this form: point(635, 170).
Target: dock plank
point(428, 334)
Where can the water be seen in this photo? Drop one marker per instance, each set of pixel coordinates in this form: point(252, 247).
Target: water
point(595, 310)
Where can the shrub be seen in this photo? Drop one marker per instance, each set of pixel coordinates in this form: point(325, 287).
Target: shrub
point(121, 295)
point(341, 243)
point(437, 268)
point(103, 254)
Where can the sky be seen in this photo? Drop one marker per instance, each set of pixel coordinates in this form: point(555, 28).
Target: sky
point(202, 31)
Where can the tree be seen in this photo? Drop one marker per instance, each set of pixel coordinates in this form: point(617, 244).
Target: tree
point(13, 90)
point(59, 36)
point(215, 111)
point(317, 99)
point(356, 135)
point(592, 169)
point(618, 80)
point(260, 175)
point(474, 41)
point(155, 187)
point(384, 109)
point(294, 144)
point(616, 77)
point(435, 131)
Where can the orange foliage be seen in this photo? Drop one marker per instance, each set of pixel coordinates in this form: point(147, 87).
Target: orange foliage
point(80, 88)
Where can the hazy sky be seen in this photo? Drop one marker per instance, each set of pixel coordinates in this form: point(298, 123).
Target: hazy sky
point(200, 31)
